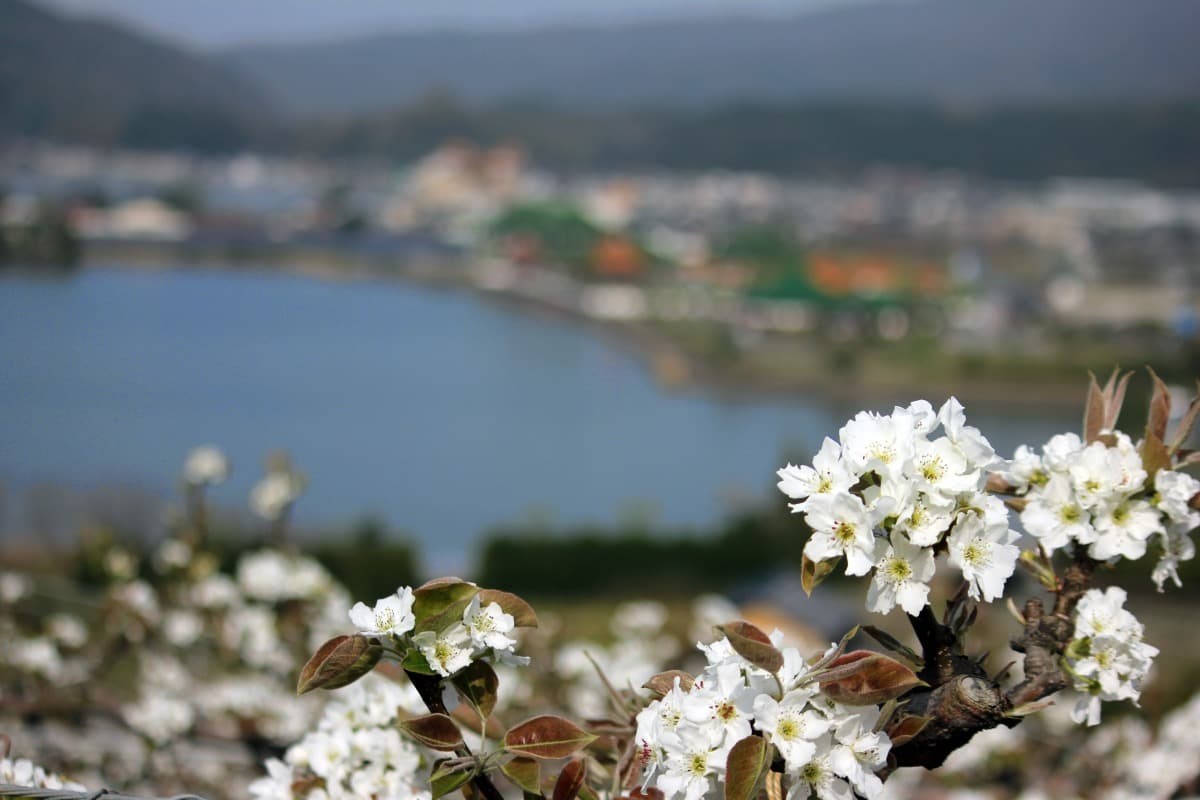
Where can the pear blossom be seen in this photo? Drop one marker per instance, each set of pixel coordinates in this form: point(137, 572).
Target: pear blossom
point(391, 615)
point(1174, 493)
point(1055, 517)
point(876, 443)
point(205, 466)
point(1108, 659)
point(447, 652)
point(901, 577)
point(827, 475)
point(488, 625)
point(817, 776)
point(694, 764)
point(791, 724)
point(723, 700)
point(859, 751)
point(986, 555)
point(1123, 528)
point(974, 446)
point(842, 527)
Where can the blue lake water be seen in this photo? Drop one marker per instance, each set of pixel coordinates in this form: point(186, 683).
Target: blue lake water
point(437, 411)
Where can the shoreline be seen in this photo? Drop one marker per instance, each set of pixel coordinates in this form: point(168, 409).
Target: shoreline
point(666, 360)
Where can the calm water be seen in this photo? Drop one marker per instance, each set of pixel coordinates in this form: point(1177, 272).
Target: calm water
point(437, 411)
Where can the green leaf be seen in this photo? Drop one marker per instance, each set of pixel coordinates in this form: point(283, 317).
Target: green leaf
point(441, 602)
point(866, 678)
point(570, 780)
point(522, 613)
point(415, 661)
point(752, 644)
point(547, 736)
point(478, 685)
point(662, 683)
point(813, 573)
point(895, 645)
point(525, 772)
point(435, 731)
point(339, 662)
point(744, 766)
point(443, 781)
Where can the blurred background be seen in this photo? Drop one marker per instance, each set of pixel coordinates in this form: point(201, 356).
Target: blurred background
point(541, 293)
point(490, 271)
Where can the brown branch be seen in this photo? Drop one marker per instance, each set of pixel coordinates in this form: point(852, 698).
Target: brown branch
point(962, 700)
point(429, 687)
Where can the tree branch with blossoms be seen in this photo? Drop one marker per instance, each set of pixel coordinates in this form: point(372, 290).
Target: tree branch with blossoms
point(895, 498)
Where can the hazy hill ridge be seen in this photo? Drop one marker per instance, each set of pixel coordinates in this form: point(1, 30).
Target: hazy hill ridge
point(95, 81)
point(944, 50)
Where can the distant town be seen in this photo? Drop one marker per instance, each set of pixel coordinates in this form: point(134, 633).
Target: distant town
point(719, 274)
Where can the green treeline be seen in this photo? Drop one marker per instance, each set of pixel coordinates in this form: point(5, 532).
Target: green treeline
point(1153, 142)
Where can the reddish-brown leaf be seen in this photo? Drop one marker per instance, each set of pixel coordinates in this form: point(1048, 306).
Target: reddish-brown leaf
point(743, 766)
point(1094, 412)
point(1160, 408)
point(340, 661)
point(1185, 426)
point(1114, 397)
point(522, 613)
point(906, 728)
point(570, 780)
point(435, 731)
point(664, 682)
point(864, 678)
point(813, 573)
point(547, 736)
point(752, 644)
point(440, 602)
point(478, 684)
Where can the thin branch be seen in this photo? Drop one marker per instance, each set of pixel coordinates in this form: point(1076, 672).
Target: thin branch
point(429, 687)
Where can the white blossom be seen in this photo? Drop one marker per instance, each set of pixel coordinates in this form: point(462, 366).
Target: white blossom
point(391, 615)
point(986, 555)
point(901, 578)
point(205, 466)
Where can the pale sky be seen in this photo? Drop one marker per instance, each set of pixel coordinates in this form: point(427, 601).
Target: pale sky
point(213, 23)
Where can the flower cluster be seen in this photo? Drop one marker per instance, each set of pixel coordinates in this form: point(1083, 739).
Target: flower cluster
point(481, 632)
point(1107, 659)
point(23, 772)
point(684, 738)
point(355, 751)
point(1102, 497)
point(889, 496)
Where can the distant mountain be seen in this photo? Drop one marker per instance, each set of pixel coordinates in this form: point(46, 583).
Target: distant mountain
point(933, 50)
point(95, 82)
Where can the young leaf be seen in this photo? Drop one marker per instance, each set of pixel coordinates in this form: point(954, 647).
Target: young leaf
point(895, 645)
point(1094, 411)
point(1185, 426)
point(435, 731)
point(1030, 708)
point(813, 573)
point(1115, 398)
point(864, 678)
point(547, 736)
point(570, 780)
point(525, 773)
point(339, 662)
point(1160, 409)
point(752, 644)
point(1155, 455)
point(522, 613)
point(445, 780)
point(478, 684)
point(441, 602)
point(662, 683)
point(744, 766)
point(906, 728)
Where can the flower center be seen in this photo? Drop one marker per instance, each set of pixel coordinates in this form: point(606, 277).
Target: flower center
point(483, 622)
point(844, 532)
point(385, 619)
point(726, 711)
point(789, 728)
point(1069, 513)
point(933, 469)
point(698, 765)
point(977, 553)
point(896, 569)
